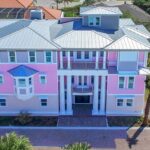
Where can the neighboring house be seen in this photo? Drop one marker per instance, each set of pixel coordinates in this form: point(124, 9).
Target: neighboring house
point(47, 66)
point(20, 9)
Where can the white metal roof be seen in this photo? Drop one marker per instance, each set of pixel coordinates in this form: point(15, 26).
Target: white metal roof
point(92, 10)
point(82, 39)
point(127, 43)
point(26, 34)
point(125, 22)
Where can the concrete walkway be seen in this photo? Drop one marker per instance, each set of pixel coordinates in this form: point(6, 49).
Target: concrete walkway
point(49, 139)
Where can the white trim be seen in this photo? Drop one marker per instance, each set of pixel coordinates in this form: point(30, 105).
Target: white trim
point(51, 62)
point(120, 76)
point(43, 75)
point(133, 83)
point(8, 52)
point(29, 56)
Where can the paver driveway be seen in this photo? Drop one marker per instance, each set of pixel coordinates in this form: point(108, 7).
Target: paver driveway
point(99, 139)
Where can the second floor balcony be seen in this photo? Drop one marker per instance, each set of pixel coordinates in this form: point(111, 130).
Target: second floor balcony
point(93, 63)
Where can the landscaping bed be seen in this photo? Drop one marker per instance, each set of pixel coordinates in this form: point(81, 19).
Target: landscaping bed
point(125, 121)
point(28, 121)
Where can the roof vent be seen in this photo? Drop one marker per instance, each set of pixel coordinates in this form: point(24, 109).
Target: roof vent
point(36, 14)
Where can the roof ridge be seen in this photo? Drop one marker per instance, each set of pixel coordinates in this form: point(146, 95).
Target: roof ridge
point(102, 35)
point(43, 37)
point(129, 38)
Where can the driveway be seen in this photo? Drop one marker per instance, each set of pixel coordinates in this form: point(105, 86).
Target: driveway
point(50, 139)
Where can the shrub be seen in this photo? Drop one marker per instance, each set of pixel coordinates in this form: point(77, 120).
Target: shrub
point(77, 146)
point(23, 118)
point(12, 141)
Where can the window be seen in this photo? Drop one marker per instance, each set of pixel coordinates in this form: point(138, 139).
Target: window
point(92, 79)
point(12, 56)
point(101, 53)
point(2, 102)
point(71, 54)
point(121, 82)
point(43, 79)
point(32, 56)
point(48, 56)
point(119, 102)
point(97, 21)
point(86, 55)
point(80, 80)
point(129, 102)
point(131, 83)
point(78, 55)
point(72, 80)
point(30, 81)
point(43, 102)
point(64, 54)
point(22, 82)
point(1, 79)
point(85, 80)
point(94, 54)
point(91, 21)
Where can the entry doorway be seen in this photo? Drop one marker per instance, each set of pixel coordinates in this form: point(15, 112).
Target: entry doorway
point(82, 99)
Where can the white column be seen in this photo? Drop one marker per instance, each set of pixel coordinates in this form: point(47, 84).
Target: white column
point(103, 93)
point(62, 96)
point(97, 59)
point(95, 97)
point(61, 60)
point(68, 59)
point(69, 96)
point(104, 60)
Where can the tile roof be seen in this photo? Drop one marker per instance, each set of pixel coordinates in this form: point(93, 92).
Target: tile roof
point(15, 3)
point(22, 71)
point(94, 10)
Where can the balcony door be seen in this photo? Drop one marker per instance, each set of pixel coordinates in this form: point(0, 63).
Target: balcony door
point(82, 81)
point(83, 56)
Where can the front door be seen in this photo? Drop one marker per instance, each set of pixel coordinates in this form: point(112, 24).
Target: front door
point(82, 99)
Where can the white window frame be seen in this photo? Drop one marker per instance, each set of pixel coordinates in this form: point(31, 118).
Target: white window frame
point(45, 60)
point(122, 102)
point(127, 101)
point(43, 75)
point(32, 56)
point(133, 82)
point(93, 18)
point(14, 56)
point(3, 102)
point(2, 79)
point(119, 81)
point(44, 102)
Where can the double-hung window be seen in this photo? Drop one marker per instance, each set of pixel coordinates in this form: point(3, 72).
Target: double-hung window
point(48, 56)
point(32, 58)
point(43, 79)
point(43, 102)
point(121, 82)
point(86, 55)
point(91, 20)
point(78, 55)
point(131, 82)
point(119, 102)
point(129, 102)
point(1, 79)
point(22, 82)
point(12, 56)
point(97, 21)
point(2, 102)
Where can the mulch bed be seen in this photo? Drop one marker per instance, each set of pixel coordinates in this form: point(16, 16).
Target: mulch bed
point(125, 121)
point(31, 121)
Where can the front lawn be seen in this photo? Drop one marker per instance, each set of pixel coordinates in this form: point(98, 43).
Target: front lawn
point(122, 121)
point(30, 121)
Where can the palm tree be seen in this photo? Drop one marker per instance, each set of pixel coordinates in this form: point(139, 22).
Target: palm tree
point(147, 107)
point(12, 141)
point(58, 2)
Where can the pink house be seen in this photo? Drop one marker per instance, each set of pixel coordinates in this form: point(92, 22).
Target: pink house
point(51, 67)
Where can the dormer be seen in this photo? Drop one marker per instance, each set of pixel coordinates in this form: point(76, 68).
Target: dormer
point(101, 17)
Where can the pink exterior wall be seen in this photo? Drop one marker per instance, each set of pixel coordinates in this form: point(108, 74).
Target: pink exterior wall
point(112, 58)
point(112, 85)
point(50, 70)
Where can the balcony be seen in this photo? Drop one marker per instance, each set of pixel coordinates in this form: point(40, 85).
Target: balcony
point(82, 89)
point(83, 65)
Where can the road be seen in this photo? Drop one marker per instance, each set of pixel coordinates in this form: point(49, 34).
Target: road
point(99, 139)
